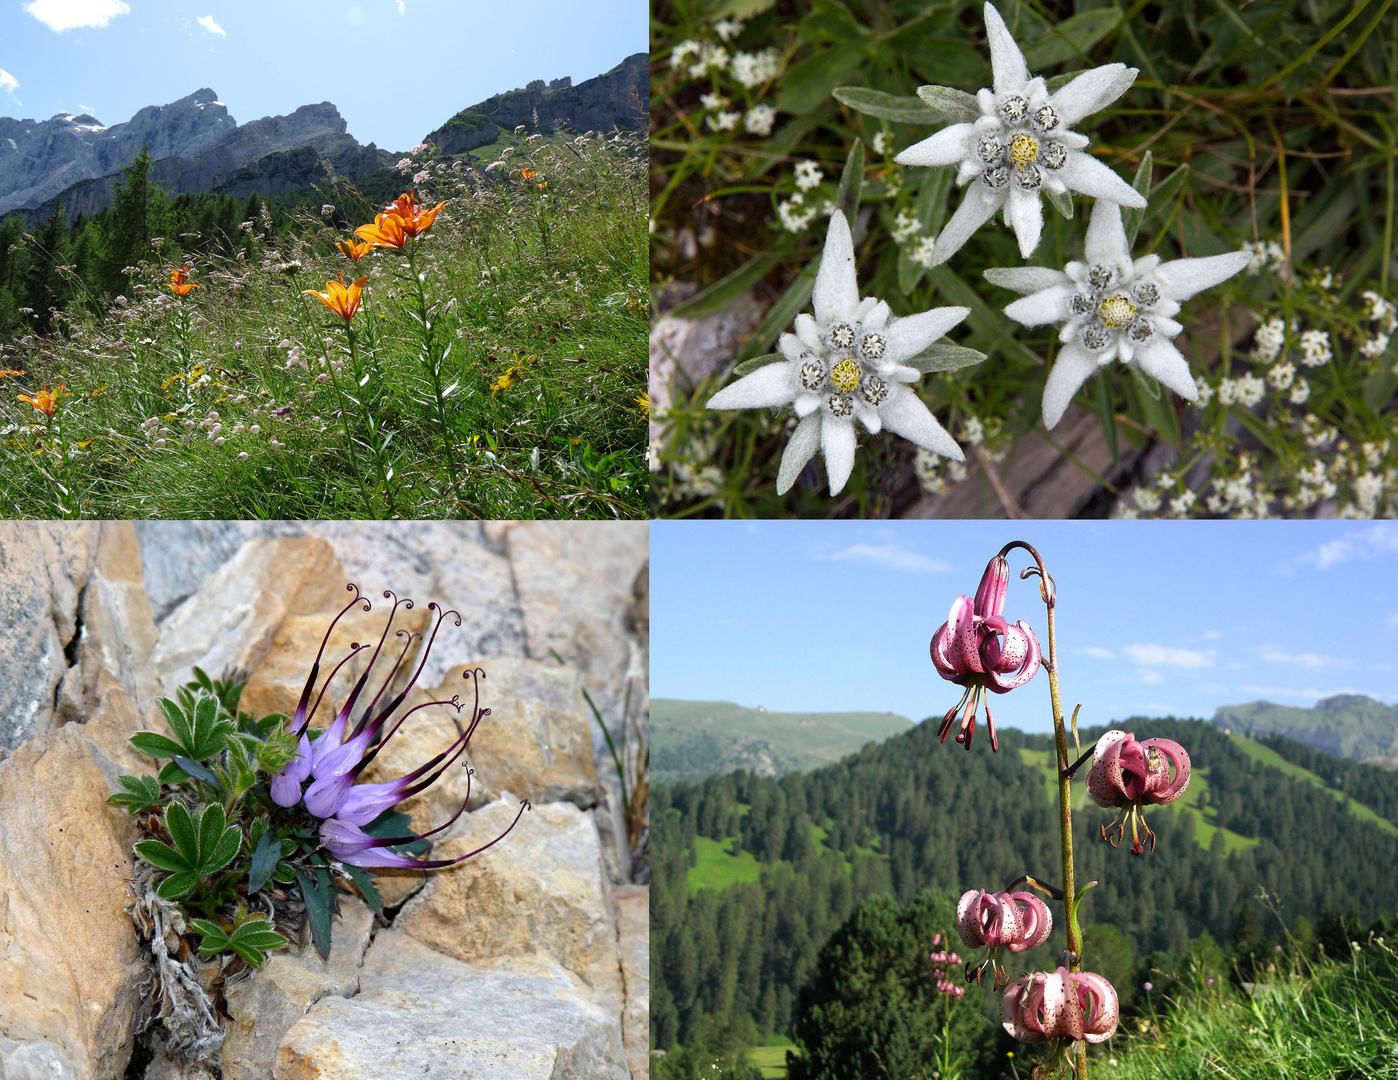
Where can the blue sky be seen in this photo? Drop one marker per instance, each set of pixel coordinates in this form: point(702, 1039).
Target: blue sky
point(1153, 618)
point(397, 69)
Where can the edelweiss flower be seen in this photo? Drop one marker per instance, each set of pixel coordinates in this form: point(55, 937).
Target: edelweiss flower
point(1021, 144)
point(850, 361)
point(1110, 306)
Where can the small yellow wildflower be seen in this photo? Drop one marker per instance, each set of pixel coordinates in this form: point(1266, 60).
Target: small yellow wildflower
point(643, 401)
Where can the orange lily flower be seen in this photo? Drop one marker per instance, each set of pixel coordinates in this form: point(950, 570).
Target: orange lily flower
point(9, 373)
point(354, 251)
point(415, 219)
point(342, 299)
point(528, 174)
point(46, 401)
point(180, 283)
point(386, 232)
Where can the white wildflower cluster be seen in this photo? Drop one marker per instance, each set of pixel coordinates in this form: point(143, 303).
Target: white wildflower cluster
point(973, 431)
point(706, 55)
point(936, 474)
point(1312, 485)
point(1317, 434)
point(1385, 315)
point(795, 215)
point(1246, 390)
point(754, 69)
point(728, 29)
point(1367, 488)
point(1282, 375)
point(1315, 348)
point(1265, 256)
point(1267, 341)
point(808, 175)
point(905, 227)
point(1238, 496)
point(879, 143)
point(759, 119)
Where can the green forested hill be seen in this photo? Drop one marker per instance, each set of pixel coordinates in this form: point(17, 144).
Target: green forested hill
point(908, 814)
point(1346, 725)
point(695, 739)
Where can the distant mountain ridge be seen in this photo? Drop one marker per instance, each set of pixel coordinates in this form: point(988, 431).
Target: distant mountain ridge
point(1347, 725)
point(695, 739)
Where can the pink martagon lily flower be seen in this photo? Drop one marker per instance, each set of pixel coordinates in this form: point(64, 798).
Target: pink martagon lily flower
point(996, 921)
point(978, 648)
point(333, 762)
point(1130, 775)
point(1065, 1005)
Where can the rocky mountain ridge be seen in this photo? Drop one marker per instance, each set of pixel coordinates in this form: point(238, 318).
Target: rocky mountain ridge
point(612, 99)
point(1346, 725)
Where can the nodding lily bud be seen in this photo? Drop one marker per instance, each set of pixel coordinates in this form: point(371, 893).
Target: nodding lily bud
point(979, 649)
point(1065, 1005)
point(1130, 775)
point(335, 761)
point(996, 921)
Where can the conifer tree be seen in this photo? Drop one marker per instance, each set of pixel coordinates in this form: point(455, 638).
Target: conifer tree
point(128, 233)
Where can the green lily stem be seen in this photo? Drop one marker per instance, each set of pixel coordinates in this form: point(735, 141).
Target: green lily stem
point(369, 502)
point(434, 367)
point(1048, 593)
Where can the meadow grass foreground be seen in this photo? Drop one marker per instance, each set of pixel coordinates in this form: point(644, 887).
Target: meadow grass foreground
point(1339, 1020)
point(484, 359)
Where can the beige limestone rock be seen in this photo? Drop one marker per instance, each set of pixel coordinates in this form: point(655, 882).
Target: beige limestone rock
point(68, 955)
point(43, 568)
point(541, 888)
point(276, 684)
point(118, 634)
point(633, 940)
point(420, 1014)
point(228, 626)
point(265, 1006)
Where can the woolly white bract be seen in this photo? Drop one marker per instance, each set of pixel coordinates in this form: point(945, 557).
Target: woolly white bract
point(1111, 306)
point(1020, 144)
point(848, 362)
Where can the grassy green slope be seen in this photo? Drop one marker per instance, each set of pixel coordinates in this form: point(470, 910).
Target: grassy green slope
point(1347, 725)
point(694, 739)
point(1270, 757)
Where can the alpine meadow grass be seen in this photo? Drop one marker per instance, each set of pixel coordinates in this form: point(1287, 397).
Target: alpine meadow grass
point(489, 364)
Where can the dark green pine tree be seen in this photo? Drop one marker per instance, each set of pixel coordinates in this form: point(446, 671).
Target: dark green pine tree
point(128, 233)
point(44, 285)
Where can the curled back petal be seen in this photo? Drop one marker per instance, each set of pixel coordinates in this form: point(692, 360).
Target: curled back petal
point(968, 638)
point(968, 923)
point(1014, 1010)
point(1179, 758)
point(1097, 1000)
point(1000, 682)
point(1036, 919)
point(1068, 1021)
point(1098, 784)
point(1000, 922)
point(940, 658)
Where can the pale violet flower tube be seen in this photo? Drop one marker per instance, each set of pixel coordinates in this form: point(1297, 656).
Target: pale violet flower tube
point(1014, 142)
point(1112, 307)
point(851, 361)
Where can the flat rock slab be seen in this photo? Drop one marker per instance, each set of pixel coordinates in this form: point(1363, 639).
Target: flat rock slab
point(633, 941)
point(424, 1016)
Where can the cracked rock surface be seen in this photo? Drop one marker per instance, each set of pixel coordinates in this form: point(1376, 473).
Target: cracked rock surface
point(513, 964)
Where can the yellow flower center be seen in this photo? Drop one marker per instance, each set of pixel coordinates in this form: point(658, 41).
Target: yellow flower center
point(1117, 311)
point(845, 376)
point(1024, 148)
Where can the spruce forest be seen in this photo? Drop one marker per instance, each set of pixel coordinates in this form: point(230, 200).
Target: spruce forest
point(838, 878)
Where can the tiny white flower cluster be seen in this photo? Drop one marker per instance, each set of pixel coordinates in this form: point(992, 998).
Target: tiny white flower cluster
point(1313, 485)
point(754, 69)
point(1265, 256)
point(1246, 390)
point(935, 474)
point(1238, 496)
point(1385, 314)
point(1316, 434)
point(879, 143)
point(1268, 340)
point(1315, 348)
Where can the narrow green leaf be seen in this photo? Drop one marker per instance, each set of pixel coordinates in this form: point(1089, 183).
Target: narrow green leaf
point(264, 861)
point(1082, 892)
point(1131, 219)
point(156, 746)
point(739, 9)
point(316, 912)
point(944, 357)
point(1073, 37)
point(177, 886)
point(900, 110)
point(851, 182)
point(224, 851)
point(1165, 191)
point(252, 956)
point(214, 937)
point(328, 892)
point(1379, 388)
point(179, 723)
point(747, 367)
point(806, 86)
point(1062, 201)
point(193, 768)
point(209, 731)
point(726, 289)
point(162, 856)
point(781, 314)
point(365, 883)
point(141, 785)
point(954, 105)
point(183, 831)
point(209, 821)
point(201, 678)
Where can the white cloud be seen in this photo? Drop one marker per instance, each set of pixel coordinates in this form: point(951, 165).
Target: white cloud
point(1212, 635)
point(890, 557)
point(71, 14)
point(207, 22)
point(1304, 660)
point(1164, 656)
point(1374, 541)
point(9, 84)
point(402, 7)
point(1099, 653)
point(1146, 675)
